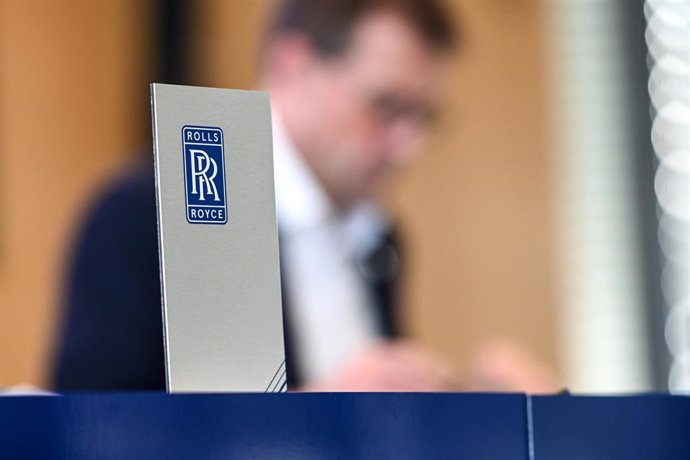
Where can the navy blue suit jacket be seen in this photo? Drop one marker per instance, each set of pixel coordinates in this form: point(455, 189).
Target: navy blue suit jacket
point(112, 335)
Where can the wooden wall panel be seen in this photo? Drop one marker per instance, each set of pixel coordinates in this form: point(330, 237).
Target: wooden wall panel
point(226, 42)
point(477, 210)
point(73, 81)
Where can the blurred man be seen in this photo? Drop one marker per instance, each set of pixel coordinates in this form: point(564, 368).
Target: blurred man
point(355, 85)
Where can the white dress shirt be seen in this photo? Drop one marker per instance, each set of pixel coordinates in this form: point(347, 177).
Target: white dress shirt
point(331, 311)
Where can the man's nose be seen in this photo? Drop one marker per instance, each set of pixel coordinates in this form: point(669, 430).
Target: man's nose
point(405, 141)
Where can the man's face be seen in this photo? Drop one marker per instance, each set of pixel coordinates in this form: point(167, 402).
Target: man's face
point(367, 111)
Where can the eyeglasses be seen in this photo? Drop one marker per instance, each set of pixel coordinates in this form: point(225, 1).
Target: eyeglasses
point(388, 109)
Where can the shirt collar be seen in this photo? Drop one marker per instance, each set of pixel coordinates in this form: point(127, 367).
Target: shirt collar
point(303, 205)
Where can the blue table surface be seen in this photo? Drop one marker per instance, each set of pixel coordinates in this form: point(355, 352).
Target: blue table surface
point(643, 427)
point(344, 425)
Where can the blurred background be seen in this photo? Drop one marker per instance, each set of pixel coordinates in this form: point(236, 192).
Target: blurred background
point(553, 207)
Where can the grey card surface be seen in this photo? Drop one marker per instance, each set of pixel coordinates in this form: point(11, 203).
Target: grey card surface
point(218, 240)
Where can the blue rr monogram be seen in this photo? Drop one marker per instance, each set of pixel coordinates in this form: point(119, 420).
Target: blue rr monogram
point(204, 171)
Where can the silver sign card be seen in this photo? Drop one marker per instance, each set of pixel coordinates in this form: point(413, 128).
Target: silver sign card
point(218, 240)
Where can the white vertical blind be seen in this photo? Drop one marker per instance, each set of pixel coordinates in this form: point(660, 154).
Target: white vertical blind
point(604, 345)
point(668, 41)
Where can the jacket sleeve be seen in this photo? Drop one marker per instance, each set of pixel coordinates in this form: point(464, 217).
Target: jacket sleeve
point(112, 336)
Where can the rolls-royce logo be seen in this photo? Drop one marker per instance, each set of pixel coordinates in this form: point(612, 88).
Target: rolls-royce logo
point(204, 174)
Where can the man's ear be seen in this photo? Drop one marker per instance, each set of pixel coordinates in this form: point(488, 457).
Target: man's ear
point(288, 57)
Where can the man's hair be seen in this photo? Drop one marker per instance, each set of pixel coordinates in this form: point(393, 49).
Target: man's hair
point(328, 24)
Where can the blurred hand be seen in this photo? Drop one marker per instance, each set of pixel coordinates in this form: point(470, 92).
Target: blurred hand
point(392, 366)
point(505, 366)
